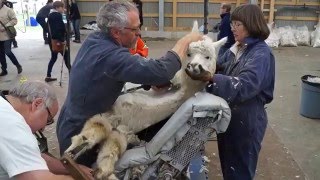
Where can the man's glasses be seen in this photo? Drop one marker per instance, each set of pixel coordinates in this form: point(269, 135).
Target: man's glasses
point(135, 30)
point(50, 119)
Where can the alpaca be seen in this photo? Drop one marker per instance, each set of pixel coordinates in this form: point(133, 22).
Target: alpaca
point(133, 112)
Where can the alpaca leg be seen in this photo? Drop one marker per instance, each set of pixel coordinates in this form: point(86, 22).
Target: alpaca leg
point(109, 154)
point(94, 131)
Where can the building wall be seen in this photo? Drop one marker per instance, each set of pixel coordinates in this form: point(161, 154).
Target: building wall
point(180, 14)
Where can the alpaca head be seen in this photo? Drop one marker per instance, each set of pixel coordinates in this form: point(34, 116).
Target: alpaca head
point(202, 56)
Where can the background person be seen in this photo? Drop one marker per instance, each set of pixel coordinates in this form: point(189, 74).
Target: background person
point(75, 20)
point(41, 19)
point(7, 18)
point(57, 31)
point(225, 28)
point(10, 5)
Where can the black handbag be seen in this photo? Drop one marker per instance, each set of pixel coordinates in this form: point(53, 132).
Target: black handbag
point(11, 31)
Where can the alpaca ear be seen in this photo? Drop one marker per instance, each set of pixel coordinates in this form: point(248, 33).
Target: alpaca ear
point(195, 27)
point(220, 43)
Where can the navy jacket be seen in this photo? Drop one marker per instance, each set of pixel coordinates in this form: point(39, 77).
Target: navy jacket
point(44, 11)
point(225, 30)
point(97, 77)
point(247, 84)
point(251, 77)
point(57, 28)
point(74, 12)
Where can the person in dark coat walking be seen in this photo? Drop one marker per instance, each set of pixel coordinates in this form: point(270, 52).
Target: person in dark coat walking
point(246, 82)
point(41, 19)
point(75, 19)
point(225, 28)
point(57, 31)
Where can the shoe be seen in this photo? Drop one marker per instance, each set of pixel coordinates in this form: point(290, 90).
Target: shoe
point(3, 73)
point(19, 68)
point(49, 79)
point(46, 42)
point(77, 41)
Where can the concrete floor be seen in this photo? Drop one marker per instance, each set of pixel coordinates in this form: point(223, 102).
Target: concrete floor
point(291, 149)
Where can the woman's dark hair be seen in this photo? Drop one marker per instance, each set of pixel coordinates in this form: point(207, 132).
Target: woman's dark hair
point(253, 20)
point(49, 1)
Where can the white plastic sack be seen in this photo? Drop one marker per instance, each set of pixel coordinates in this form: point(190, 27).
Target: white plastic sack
point(315, 37)
point(302, 36)
point(315, 80)
point(274, 39)
point(287, 37)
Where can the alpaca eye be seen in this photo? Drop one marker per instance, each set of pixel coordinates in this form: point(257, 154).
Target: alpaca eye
point(189, 55)
point(207, 57)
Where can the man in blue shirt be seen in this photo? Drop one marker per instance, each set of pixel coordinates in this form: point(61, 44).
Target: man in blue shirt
point(103, 65)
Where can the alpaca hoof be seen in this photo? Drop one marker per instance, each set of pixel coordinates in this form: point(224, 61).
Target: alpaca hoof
point(78, 146)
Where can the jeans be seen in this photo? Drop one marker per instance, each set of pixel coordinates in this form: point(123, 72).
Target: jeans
point(54, 57)
point(76, 28)
point(5, 49)
point(44, 26)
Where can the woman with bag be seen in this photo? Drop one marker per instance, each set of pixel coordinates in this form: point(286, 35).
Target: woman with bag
point(57, 37)
point(7, 33)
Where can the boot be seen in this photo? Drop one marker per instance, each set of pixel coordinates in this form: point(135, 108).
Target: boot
point(19, 68)
point(49, 79)
point(3, 73)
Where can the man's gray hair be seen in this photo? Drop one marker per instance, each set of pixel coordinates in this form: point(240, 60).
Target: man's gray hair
point(30, 90)
point(114, 14)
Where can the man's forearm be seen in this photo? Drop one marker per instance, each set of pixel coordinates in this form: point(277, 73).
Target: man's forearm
point(54, 165)
point(181, 47)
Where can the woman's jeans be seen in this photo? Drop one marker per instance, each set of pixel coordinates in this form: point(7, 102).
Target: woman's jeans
point(6, 49)
point(76, 28)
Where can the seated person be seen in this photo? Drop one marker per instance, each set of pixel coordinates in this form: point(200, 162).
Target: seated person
point(27, 109)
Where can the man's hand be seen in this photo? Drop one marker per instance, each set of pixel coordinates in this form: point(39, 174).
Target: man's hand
point(193, 37)
point(87, 171)
point(182, 45)
point(219, 68)
point(205, 77)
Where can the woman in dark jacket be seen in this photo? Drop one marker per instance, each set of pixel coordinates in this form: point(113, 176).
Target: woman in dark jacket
point(247, 84)
point(57, 31)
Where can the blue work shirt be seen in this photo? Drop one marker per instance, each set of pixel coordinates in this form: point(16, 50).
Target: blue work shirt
point(250, 76)
point(98, 74)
